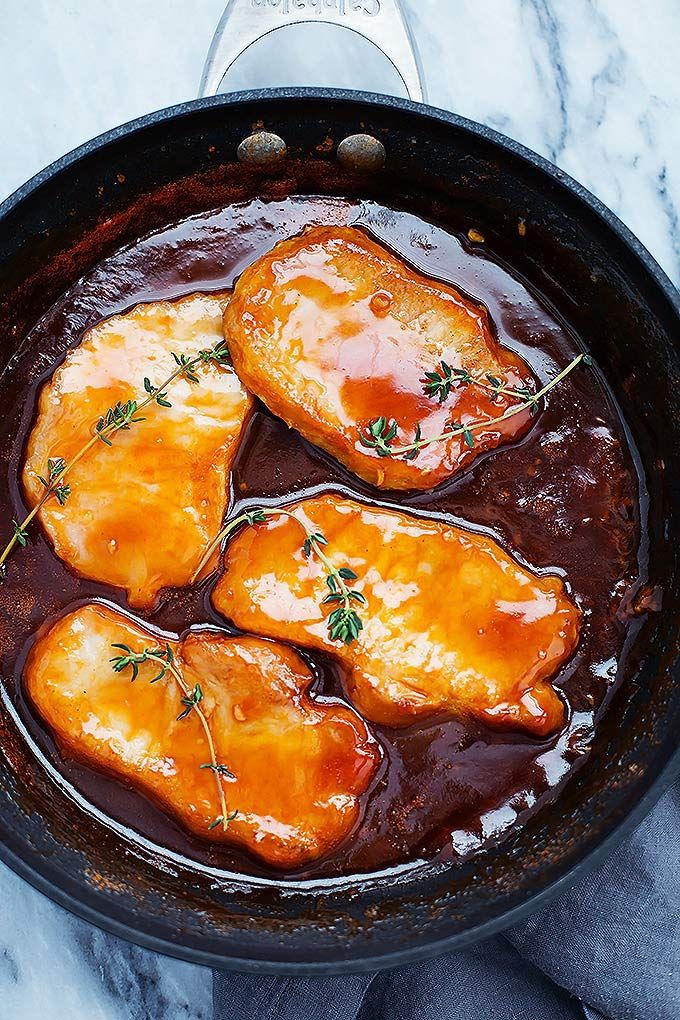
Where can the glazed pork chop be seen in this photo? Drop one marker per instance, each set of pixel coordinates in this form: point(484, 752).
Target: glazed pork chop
point(294, 767)
point(451, 624)
point(333, 332)
point(140, 511)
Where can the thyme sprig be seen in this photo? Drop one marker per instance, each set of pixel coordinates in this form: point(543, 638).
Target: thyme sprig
point(191, 700)
point(344, 623)
point(55, 468)
point(119, 417)
point(381, 432)
point(444, 378)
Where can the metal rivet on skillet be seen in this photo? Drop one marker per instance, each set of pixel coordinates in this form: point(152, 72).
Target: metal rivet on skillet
point(362, 152)
point(262, 149)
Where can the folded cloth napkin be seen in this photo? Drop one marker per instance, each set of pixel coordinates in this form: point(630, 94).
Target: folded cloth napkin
point(609, 948)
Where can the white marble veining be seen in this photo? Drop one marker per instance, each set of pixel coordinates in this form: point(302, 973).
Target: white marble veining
point(55, 966)
point(592, 84)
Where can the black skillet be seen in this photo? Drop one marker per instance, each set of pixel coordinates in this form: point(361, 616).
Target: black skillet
point(123, 184)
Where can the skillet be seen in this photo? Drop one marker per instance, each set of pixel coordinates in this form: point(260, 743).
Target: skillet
point(183, 160)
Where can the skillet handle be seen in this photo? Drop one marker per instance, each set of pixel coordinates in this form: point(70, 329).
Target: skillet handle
point(381, 22)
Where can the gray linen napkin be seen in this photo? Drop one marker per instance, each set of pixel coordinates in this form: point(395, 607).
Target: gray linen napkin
point(609, 948)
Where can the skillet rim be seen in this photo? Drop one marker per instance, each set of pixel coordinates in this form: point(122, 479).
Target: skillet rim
point(504, 142)
point(35, 872)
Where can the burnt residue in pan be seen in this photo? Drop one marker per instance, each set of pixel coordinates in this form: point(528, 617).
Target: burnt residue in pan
point(566, 498)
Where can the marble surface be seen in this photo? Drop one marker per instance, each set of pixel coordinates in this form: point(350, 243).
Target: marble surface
point(593, 85)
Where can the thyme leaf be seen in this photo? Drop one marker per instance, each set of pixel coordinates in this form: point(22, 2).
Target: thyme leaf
point(379, 436)
point(439, 382)
point(221, 769)
point(20, 534)
point(223, 820)
point(191, 701)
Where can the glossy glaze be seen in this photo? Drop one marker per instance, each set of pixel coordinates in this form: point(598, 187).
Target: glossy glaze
point(141, 509)
point(262, 720)
point(565, 499)
point(452, 623)
point(332, 331)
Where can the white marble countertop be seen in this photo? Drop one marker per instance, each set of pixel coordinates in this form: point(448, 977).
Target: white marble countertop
point(593, 85)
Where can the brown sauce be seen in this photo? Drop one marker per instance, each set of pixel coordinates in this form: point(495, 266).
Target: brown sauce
point(565, 498)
